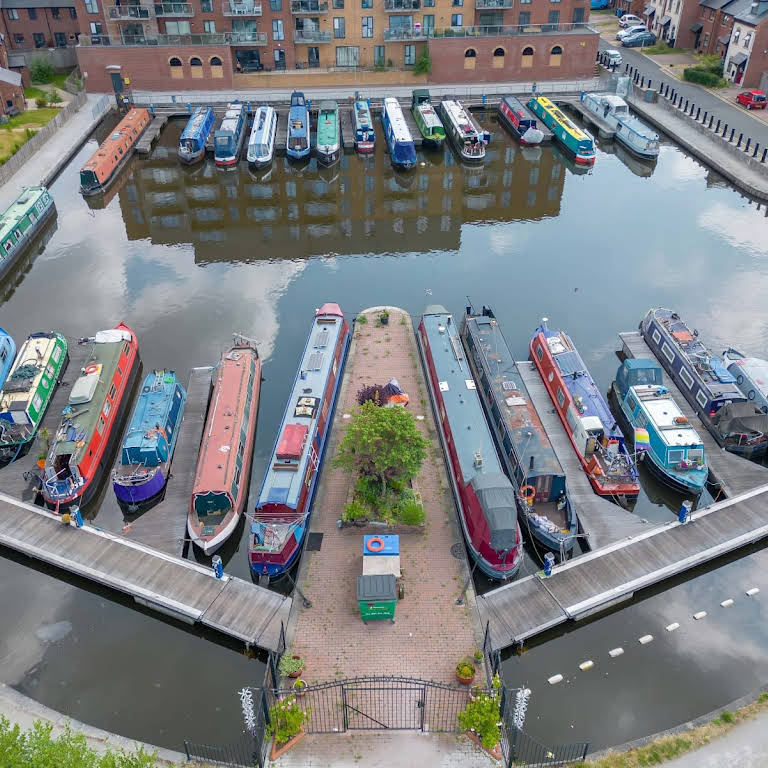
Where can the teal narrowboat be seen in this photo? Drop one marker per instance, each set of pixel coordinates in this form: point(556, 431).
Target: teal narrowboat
point(576, 141)
point(21, 222)
point(429, 124)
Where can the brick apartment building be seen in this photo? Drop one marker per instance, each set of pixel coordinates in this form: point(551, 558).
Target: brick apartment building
point(11, 87)
point(746, 59)
point(179, 44)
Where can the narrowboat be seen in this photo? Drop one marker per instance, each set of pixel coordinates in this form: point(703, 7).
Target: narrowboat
point(429, 125)
point(220, 490)
point(90, 422)
point(7, 354)
point(576, 141)
point(105, 164)
point(665, 440)
point(633, 133)
point(148, 444)
point(544, 508)
point(519, 121)
point(195, 135)
point(467, 138)
point(594, 434)
point(328, 144)
point(297, 143)
point(28, 390)
point(284, 504)
point(21, 222)
point(706, 384)
point(402, 151)
point(228, 139)
point(484, 495)
point(365, 134)
point(261, 143)
point(751, 374)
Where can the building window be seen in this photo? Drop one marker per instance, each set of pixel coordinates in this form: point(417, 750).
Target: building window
point(409, 58)
point(13, 14)
point(366, 4)
point(177, 28)
point(209, 27)
point(712, 14)
point(747, 39)
point(527, 60)
point(61, 40)
point(379, 56)
point(215, 61)
point(457, 2)
point(525, 19)
point(736, 33)
point(456, 19)
point(429, 24)
point(553, 19)
point(555, 56)
point(92, 6)
point(347, 55)
point(429, 3)
point(95, 27)
point(73, 13)
point(18, 39)
point(498, 58)
point(338, 27)
point(54, 13)
point(278, 31)
point(367, 26)
point(32, 13)
point(338, 5)
point(206, 6)
point(195, 61)
point(578, 15)
point(175, 61)
point(470, 57)
point(275, 5)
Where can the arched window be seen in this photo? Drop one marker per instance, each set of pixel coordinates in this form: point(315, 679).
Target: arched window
point(470, 53)
point(499, 52)
point(470, 57)
point(177, 68)
point(498, 58)
point(197, 67)
point(175, 61)
point(555, 56)
point(216, 69)
point(195, 62)
point(527, 57)
point(215, 61)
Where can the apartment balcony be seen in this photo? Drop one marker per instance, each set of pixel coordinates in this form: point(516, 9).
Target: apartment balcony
point(219, 38)
point(492, 4)
point(400, 6)
point(311, 36)
point(517, 30)
point(308, 6)
point(174, 9)
point(407, 34)
point(241, 10)
point(129, 12)
point(247, 38)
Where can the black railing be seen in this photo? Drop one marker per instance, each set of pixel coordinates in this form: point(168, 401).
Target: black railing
point(523, 750)
point(243, 753)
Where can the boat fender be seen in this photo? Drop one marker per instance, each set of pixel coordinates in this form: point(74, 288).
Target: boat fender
point(374, 544)
point(89, 369)
point(528, 492)
point(681, 420)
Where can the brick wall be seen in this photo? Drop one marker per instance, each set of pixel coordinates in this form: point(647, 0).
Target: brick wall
point(149, 67)
point(450, 64)
point(21, 31)
point(757, 65)
point(10, 96)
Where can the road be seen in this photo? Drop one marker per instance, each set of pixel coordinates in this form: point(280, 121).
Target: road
point(736, 117)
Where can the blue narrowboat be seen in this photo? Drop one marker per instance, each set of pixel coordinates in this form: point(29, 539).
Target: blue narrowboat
point(518, 119)
point(7, 353)
point(399, 140)
point(751, 374)
point(228, 140)
point(261, 144)
point(365, 135)
point(297, 144)
point(543, 506)
point(738, 425)
point(147, 450)
point(281, 518)
point(664, 438)
point(195, 135)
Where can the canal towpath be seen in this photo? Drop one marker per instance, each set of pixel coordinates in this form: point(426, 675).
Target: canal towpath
point(431, 632)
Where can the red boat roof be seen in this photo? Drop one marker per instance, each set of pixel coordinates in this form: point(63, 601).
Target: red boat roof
point(330, 308)
point(292, 441)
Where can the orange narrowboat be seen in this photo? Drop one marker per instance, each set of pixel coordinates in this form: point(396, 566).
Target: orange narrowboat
point(99, 172)
point(223, 470)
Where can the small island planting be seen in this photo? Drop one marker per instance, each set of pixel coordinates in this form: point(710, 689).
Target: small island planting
point(465, 670)
point(285, 721)
point(480, 718)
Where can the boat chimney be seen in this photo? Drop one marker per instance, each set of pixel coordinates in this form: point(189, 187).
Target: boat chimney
point(544, 321)
point(530, 466)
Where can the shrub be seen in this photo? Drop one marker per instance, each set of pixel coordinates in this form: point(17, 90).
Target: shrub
point(53, 96)
point(41, 71)
point(362, 319)
point(702, 76)
point(410, 512)
point(481, 716)
point(465, 668)
point(355, 510)
point(41, 102)
point(371, 393)
point(286, 719)
point(290, 665)
point(423, 65)
point(368, 491)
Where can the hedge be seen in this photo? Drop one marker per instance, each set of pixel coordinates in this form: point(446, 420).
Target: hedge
point(703, 77)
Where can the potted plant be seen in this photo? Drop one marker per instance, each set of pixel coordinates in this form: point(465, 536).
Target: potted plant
point(384, 317)
point(41, 459)
point(480, 719)
point(465, 671)
point(291, 666)
point(478, 655)
point(299, 687)
point(285, 721)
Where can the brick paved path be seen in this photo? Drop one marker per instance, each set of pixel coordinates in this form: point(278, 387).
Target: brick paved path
point(431, 632)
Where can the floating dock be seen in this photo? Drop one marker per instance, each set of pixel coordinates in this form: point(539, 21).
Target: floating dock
point(732, 473)
point(164, 525)
point(604, 130)
point(151, 135)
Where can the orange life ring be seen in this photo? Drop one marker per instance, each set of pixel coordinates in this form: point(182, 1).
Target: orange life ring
point(92, 368)
point(524, 489)
point(375, 540)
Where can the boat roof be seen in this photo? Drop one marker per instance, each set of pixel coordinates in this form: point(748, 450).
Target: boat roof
point(363, 114)
point(261, 124)
point(195, 124)
point(397, 120)
point(460, 117)
point(469, 429)
point(151, 410)
point(566, 122)
point(20, 388)
point(218, 452)
point(431, 119)
point(328, 106)
point(612, 99)
point(297, 116)
point(756, 370)
point(18, 208)
point(518, 107)
point(291, 451)
point(512, 399)
point(661, 409)
point(420, 93)
point(229, 124)
point(134, 116)
point(297, 99)
point(639, 127)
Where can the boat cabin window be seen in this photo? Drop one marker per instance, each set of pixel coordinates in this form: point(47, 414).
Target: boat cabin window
point(7, 245)
point(701, 399)
point(676, 456)
point(88, 179)
point(212, 507)
point(539, 351)
point(560, 397)
point(222, 143)
point(695, 454)
point(631, 403)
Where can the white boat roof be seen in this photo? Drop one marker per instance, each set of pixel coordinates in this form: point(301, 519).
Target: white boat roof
point(460, 117)
point(662, 411)
point(261, 123)
point(397, 120)
point(431, 120)
point(614, 100)
point(757, 370)
point(229, 124)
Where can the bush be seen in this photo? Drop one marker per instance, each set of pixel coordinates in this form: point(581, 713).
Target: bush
point(423, 65)
point(702, 76)
point(286, 719)
point(368, 491)
point(409, 509)
point(290, 665)
point(354, 511)
point(41, 102)
point(53, 96)
point(41, 71)
point(481, 716)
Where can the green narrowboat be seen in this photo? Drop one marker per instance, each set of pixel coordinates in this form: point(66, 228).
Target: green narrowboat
point(21, 222)
point(28, 390)
point(328, 133)
point(430, 127)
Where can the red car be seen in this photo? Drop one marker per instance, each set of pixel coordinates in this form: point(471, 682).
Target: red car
point(752, 99)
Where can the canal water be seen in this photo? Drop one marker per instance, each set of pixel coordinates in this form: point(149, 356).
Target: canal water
point(187, 256)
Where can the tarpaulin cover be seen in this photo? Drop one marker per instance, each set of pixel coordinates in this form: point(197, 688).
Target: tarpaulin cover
point(292, 441)
point(740, 417)
point(497, 500)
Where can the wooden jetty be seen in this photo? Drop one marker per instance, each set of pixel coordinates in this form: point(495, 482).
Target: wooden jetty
point(732, 473)
point(600, 520)
point(598, 580)
point(151, 134)
point(163, 526)
point(604, 130)
point(182, 589)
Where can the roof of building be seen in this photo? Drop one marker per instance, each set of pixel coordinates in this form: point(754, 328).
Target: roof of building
point(16, 60)
point(10, 77)
point(37, 4)
point(715, 4)
point(746, 16)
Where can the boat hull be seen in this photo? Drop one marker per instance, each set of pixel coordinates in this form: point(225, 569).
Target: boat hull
point(329, 157)
point(298, 154)
point(140, 493)
point(365, 147)
point(101, 189)
point(190, 158)
point(261, 162)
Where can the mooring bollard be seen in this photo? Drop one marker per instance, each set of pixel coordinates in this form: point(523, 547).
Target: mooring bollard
point(549, 561)
point(483, 99)
point(717, 130)
point(741, 136)
point(217, 565)
point(757, 147)
point(711, 119)
point(684, 515)
point(152, 110)
point(765, 154)
point(686, 105)
point(733, 133)
point(746, 146)
point(698, 112)
point(725, 130)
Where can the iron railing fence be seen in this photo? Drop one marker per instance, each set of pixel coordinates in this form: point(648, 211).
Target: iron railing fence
point(244, 753)
point(520, 749)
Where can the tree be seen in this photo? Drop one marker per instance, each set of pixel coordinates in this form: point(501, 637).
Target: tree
point(41, 71)
point(383, 443)
point(423, 65)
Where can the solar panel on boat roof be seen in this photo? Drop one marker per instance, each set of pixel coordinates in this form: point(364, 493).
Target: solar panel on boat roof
point(315, 361)
point(570, 362)
point(321, 339)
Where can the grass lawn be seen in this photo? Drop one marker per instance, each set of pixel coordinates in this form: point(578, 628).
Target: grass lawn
point(653, 50)
point(14, 131)
point(33, 92)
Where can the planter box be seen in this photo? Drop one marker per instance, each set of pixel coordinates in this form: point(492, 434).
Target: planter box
point(283, 748)
point(495, 753)
point(377, 529)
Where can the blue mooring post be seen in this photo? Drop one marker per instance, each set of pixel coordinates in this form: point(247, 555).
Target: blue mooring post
point(189, 108)
point(717, 129)
point(75, 512)
point(686, 106)
point(698, 112)
point(684, 515)
point(757, 147)
point(549, 561)
point(725, 130)
point(217, 566)
point(733, 133)
point(152, 110)
point(711, 120)
point(483, 99)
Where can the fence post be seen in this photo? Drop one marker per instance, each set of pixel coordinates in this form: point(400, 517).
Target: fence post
point(733, 133)
point(749, 141)
point(186, 749)
point(757, 147)
point(741, 136)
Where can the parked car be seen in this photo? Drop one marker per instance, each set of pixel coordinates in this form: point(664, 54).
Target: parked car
point(628, 20)
point(752, 99)
point(639, 39)
point(598, 5)
point(614, 57)
point(631, 30)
